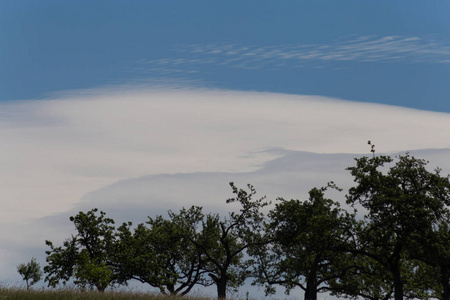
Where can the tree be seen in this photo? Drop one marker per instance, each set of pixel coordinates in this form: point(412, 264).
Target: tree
point(404, 203)
point(30, 272)
point(439, 257)
point(308, 245)
point(85, 257)
point(368, 279)
point(436, 256)
point(224, 241)
point(161, 253)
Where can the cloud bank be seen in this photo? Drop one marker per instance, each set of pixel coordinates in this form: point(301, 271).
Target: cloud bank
point(135, 152)
point(53, 147)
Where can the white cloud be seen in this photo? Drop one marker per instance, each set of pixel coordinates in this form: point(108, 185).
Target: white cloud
point(57, 150)
point(109, 149)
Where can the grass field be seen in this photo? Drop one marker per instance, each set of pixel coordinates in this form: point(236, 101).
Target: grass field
point(67, 294)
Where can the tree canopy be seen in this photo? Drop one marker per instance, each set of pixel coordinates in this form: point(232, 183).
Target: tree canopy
point(397, 247)
point(404, 204)
point(86, 256)
point(161, 254)
point(308, 243)
point(224, 241)
point(31, 272)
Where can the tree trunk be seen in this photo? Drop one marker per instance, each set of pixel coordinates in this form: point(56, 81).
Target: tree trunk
point(398, 292)
point(221, 283)
point(445, 279)
point(398, 283)
point(311, 292)
point(222, 288)
point(171, 289)
point(311, 281)
point(311, 285)
point(101, 287)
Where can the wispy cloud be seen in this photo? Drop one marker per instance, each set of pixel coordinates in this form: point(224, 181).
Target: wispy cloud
point(388, 49)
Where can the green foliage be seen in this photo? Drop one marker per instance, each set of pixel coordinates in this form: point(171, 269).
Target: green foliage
point(224, 241)
point(161, 253)
point(405, 204)
point(399, 249)
point(433, 251)
point(172, 254)
point(368, 279)
point(308, 245)
point(30, 272)
point(85, 257)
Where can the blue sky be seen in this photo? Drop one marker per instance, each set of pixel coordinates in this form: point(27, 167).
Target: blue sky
point(391, 52)
point(136, 107)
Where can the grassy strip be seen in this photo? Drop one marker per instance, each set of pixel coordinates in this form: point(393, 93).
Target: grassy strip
point(67, 294)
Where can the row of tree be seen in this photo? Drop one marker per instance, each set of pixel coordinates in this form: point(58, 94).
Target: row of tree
point(399, 249)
